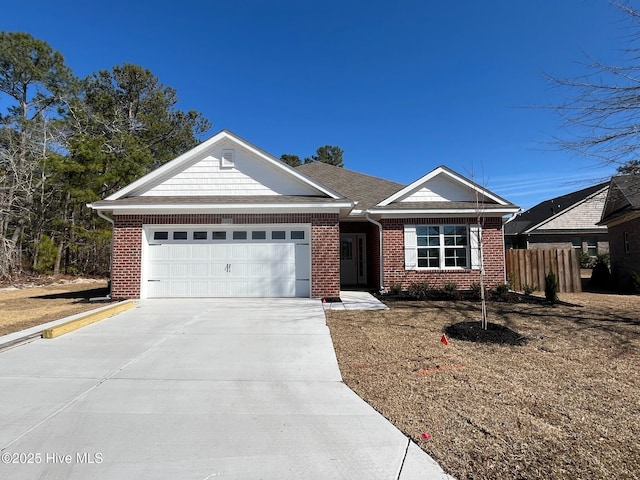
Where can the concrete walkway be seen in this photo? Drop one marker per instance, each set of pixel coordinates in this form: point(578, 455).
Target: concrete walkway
point(355, 300)
point(195, 389)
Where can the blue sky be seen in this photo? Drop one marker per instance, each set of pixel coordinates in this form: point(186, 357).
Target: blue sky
point(401, 86)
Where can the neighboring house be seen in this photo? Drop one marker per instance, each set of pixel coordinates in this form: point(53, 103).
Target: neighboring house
point(569, 221)
point(621, 216)
point(228, 219)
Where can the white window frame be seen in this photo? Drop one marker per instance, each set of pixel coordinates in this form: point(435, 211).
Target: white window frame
point(472, 249)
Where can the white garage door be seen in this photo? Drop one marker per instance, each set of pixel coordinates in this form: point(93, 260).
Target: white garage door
point(237, 261)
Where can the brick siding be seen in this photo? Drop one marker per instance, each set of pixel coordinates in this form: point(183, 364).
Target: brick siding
point(127, 246)
point(393, 250)
point(623, 263)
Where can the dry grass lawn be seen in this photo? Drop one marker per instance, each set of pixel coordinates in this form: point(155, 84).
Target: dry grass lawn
point(563, 401)
point(27, 305)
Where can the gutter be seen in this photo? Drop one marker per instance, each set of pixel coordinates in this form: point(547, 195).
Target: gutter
point(380, 253)
point(112, 222)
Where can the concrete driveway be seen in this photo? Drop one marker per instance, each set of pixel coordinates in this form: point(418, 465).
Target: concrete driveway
point(195, 389)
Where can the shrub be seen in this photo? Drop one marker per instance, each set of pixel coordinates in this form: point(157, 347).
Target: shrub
point(450, 290)
point(395, 288)
point(551, 287)
point(586, 260)
point(528, 289)
point(601, 276)
point(502, 291)
point(635, 282)
point(476, 290)
point(418, 290)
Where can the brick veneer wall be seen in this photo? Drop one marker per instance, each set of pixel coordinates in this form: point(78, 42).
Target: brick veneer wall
point(127, 247)
point(393, 250)
point(623, 264)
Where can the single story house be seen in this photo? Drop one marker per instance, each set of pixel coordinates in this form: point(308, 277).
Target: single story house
point(568, 221)
point(621, 216)
point(228, 219)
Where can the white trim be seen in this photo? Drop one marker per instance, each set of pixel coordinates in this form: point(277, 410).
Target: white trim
point(408, 213)
point(451, 174)
point(182, 161)
point(475, 246)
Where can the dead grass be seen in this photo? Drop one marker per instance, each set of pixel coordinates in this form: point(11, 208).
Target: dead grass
point(26, 305)
point(563, 402)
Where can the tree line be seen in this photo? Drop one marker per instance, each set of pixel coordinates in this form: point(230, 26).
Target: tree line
point(67, 141)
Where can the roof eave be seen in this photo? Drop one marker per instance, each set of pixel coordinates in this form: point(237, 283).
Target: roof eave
point(407, 212)
point(301, 207)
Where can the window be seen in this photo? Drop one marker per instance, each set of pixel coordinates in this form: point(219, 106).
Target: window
point(199, 235)
point(218, 235)
point(297, 235)
point(258, 235)
point(179, 235)
point(442, 246)
point(576, 243)
point(592, 246)
point(161, 235)
point(626, 242)
point(278, 235)
point(239, 235)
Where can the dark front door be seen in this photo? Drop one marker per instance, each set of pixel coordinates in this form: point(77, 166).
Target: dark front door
point(353, 268)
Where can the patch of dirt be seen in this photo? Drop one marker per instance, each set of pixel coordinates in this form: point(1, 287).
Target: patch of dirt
point(562, 403)
point(23, 306)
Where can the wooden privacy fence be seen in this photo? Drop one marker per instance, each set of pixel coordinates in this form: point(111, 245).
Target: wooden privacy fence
point(529, 267)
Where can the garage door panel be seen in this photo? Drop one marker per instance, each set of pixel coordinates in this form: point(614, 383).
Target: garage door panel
point(180, 252)
point(200, 252)
point(179, 270)
point(199, 270)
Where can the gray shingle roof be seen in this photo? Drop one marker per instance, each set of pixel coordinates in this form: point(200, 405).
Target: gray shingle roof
point(623, 197)
point(547, 209)
point(368, 191)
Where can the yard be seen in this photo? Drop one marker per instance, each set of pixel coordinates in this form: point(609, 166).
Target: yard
point(553, 393)
point(28, 304)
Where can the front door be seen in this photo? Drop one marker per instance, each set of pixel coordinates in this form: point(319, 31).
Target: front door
point(353, 267)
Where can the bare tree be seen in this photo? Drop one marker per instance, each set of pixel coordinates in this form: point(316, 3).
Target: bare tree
point(601, 117)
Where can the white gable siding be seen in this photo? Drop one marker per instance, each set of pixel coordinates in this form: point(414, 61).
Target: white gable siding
point(440, 189)
point(248, 176)
point(585, 215)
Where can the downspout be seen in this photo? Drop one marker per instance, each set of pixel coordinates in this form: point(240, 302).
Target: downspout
point(380, 253)
point(111, 221)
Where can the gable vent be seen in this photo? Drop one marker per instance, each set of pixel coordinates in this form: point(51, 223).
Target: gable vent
point(227, 159)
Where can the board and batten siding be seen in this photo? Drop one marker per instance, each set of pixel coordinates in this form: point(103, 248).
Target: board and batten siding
point(247, 176)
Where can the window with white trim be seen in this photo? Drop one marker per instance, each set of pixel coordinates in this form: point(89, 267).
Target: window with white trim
point(440, 247)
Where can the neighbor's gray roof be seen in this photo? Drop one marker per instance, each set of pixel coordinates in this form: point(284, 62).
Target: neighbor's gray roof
point(368, 191)
point(623, 197)
point(547, 209)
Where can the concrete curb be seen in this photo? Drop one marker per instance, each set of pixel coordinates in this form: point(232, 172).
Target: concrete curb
point(33, 333)
point(88, 319)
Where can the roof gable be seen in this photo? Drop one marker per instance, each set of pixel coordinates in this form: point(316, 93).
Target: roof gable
point(548, 210)
point(244, 170)
point(581, 215)
point(443, 185)
point(623, 197)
